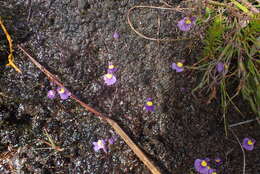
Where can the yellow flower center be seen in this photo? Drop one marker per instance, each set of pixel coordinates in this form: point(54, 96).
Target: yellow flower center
point(99, 143)
point(111, 67)
point(214, 173)
point(217, 160)
point(179, 64)
point(149, 103)
point(187, 21)
point(109, 76)
point(250, 142)
point(61, 90)
point(225, 66)
point(204, 163)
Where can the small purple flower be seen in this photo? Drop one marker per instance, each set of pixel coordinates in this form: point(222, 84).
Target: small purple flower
point(149, 105)
point(109, 79)
point(186, 23)
point(220, 67)
point(111, 68)
point(64, 93)
point(248, 143)
point(112, 140)
point(51, 94)
point(100, 144)
point(212, 171)
point(218, 161)
point(202, 166)
point(178, 67)
point(116, 35)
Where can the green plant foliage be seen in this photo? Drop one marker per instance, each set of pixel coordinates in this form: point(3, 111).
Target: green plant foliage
point(214, 36)
point(251, 77)
point(237, 46)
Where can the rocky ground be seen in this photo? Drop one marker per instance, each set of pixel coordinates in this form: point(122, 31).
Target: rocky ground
point(74, 40)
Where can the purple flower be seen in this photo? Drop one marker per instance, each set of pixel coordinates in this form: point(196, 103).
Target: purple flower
point(116, 35)
point(109, 79)
point(177, 66)
point(212, 171)
point(218, 161)
point(51, 94)
point(112, 140)
point(111, 68)
point(248, 143)
point(100, 144)
point(64, 93)
point(149, 105)
point(202, 166)
point(220, 67)
point(186, 23)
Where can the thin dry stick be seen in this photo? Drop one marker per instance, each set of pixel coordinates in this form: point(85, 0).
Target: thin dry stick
point(244, 156)
point(243, 122)
point(11, 50)
point(112, 103)
point(154, 7)
point(111, 122)
point(158, 31)
point(166, 4)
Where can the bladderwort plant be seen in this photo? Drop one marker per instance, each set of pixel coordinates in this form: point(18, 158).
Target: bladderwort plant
point(232, 40)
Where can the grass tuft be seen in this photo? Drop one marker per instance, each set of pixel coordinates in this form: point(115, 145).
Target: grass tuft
point(233, 39)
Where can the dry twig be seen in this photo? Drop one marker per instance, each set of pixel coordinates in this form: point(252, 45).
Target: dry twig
point(243, 151)
point(154, 7)
point(11, 50)
point(243, 122)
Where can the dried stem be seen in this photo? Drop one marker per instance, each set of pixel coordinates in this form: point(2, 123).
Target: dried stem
point(11, 50)
point(243, 151)
point(111, 122)
point(243, 122)
point(154, 7)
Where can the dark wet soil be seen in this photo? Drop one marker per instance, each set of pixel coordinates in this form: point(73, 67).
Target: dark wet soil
point(74, 40)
